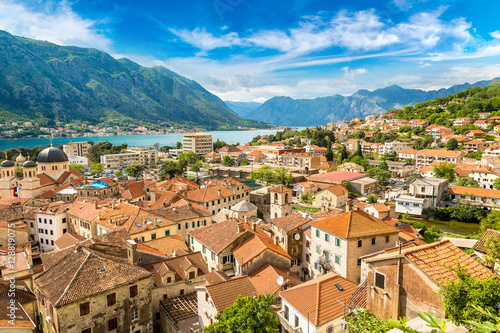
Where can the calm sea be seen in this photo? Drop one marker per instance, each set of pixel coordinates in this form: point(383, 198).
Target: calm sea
point(230, 137)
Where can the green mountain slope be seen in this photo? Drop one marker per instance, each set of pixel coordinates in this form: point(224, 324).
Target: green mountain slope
point(43, 81)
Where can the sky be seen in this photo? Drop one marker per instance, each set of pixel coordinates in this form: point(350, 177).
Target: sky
point(253, 50)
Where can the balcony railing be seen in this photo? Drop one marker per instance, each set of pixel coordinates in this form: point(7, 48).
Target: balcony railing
point(287, 324)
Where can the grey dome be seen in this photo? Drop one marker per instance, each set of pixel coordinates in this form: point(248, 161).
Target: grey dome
point(29, 164)
point(52, 155)
point(7, 164)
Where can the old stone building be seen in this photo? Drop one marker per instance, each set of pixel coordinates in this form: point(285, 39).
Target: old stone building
point(281, 201)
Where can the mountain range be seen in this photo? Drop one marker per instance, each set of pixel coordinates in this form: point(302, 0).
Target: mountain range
point(286, 111)
point(41, 81)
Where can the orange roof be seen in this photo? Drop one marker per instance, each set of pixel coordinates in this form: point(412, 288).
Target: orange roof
point(280, 189)
point(165, 200)
point(167, 245)
point(68, 239)
point(446, 153)
point(265, 278)
point(409, 151)
point(354, 224)
point(254, 246)
point(337, 189)
point(291, 222)
point(319, 299)
point(209, 193)
point(380, 207)
point(436, 259)
point(224, 294)
point(477, 192)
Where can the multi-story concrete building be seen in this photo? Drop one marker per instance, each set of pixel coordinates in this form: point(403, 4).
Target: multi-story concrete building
point(331, 197)
point(298, 160)
point(432, 188)
point(199, 143)
point(51, 223)
point(117, 161)
point(338, 242)
point(77, 148)
point(426, 156)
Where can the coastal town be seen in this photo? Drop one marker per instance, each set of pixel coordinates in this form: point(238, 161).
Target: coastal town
point(327, 229)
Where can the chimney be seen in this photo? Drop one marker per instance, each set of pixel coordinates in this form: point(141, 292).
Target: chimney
point(347, 206)
point(246, 219)
point(131, 252)
point(218, 192)
point(240, 227)
point(254, 226)
point(95, 204)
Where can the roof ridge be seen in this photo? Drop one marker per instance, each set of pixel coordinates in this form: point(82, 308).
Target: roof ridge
point(72, 279)
point(425, 247)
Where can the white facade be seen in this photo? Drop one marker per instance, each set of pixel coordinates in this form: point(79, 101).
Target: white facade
point(406, 204)
point(328, 253)
point(293, 317)
point(485, 179)
point(49, 228)
point(79, 160)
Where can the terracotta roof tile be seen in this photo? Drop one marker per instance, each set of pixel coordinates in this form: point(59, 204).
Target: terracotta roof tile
point(182, 210)
point(216, 277)
point(446, 153)
point(354, 224)
point(224, 294)
point(358, 299)
point(167, 245)
point(69, 279)
point(265, 279)
point(319, 299)
point(254, 246)
point(477, 192)
point(291, 222)
point(22, 296)
point(22, 320)
point(337, 189)
point(380, 207)
point(209, 193)
point(490, 234)
point(68, 239)
point(280, 189)
point(179, 265)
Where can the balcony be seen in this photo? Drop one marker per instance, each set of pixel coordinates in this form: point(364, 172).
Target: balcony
point(286, 324)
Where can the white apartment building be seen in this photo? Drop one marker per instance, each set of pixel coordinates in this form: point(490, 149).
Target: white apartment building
point(77, 148)
point(51, 223)
point(116, 161)
point(78, 160)
point(199, 143)
point(484, 177)
point(425, 157)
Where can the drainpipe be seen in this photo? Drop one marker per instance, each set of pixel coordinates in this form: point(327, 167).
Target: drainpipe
point(397, 286)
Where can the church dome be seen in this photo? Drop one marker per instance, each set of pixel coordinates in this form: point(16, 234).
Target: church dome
point(20, 159)
point(52, 155)
point(7, 164)
point(29, 164)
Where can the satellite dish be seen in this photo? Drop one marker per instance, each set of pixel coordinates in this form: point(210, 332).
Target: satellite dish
point(218, 266)
point(297, 236)
point(280, 280)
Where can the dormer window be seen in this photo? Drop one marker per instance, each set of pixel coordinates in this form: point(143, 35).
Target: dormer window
point(192, 275)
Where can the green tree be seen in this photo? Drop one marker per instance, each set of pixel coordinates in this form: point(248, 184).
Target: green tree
point(372, 199)
point(77, 167)
point(19, 172)
point(382, 176)
point(360, 135)
point(228, 160)
point(468, 182)
point(459, 297)
point(496, 184)
point(383, 165)
point(342, 154)
point(345, 184)
point(96, 168)
point(118, 174)
point(452, 144)
point(170, 169)
point(247, 315)
point(365, 321)
point(135, 170)
point(329, 152)
point(244, 161)
point(283, 175)
point(178, 145)
point(188, 158)
point(197, 167)
point(358, 152)
point(490, 221)
point(445, 170)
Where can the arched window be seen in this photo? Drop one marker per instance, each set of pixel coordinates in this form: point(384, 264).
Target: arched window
point(275, 197)
point(286, 197)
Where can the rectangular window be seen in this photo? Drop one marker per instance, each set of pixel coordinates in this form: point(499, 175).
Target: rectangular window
point(358, 263)
point(379, 280)
point(360, 243)
point(179, 226)
point(186, 225)
point(327, 255)
point(87, 330)
point(337, 242)
point(337, 260)
point(204, 249)
point(134, 314)
point(112, 324)
point(317, 233)
point(326, 237)
point(111, 298)
point(133, 291)
point(153, 236)
point(192, 224)
point(387, 239)
point(296, 321)
point(191, 275)
point(373, 240)
point(286, 312)
point(167, 232)
point(315, 265)
point(317, 249)
point(84, 309)
point(329, 329)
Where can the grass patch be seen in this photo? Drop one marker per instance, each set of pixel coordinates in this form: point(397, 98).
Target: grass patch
point(305, 209)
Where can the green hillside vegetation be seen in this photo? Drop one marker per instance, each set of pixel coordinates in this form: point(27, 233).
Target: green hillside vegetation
point(44, 82)
point(467, 103)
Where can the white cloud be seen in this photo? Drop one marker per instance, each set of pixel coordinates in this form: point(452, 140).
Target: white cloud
point(495, 34)
point(206, 41)
point(60, 26)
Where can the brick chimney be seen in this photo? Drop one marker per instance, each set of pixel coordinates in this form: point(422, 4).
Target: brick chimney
point(131, 252)
point(218, 192)
point(240, 227)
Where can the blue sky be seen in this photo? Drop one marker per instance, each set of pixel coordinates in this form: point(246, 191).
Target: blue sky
point(252, 50)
